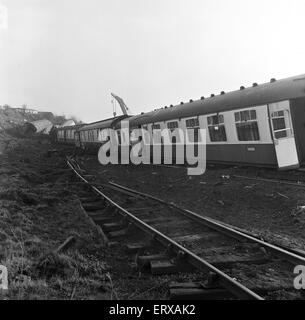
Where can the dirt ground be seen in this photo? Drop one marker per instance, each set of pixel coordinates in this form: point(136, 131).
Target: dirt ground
point(38, 212)
point(272, 211)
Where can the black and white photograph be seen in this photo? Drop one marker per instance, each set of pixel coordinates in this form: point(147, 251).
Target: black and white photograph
point(152, 153)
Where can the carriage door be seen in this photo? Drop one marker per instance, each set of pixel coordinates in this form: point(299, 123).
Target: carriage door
point(283, 135)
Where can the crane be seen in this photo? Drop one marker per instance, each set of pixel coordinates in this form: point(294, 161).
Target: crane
point(122, 104)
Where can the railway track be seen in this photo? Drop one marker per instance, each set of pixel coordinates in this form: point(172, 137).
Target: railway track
point(292, 178)
point(247, 267)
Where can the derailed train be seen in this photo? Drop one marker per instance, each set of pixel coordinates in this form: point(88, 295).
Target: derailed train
point(263, 125)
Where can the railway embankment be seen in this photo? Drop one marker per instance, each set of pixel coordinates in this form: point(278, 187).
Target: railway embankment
point(50, 249)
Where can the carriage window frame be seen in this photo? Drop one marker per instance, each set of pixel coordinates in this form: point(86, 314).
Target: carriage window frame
point(217, 128)
point(172, 125)
point(155, 126)
point(192, 123)
point(246, 124)
point(285, 132)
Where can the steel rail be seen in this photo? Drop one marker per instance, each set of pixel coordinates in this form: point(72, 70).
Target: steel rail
point(285, 182)
point(225, 229)
point(226, 281)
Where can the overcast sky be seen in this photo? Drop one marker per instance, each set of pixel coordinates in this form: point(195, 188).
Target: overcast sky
point(67, 56)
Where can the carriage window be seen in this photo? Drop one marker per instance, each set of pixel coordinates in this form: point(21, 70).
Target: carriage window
point(172, 125)
point(156, 127)
point(192, 127)
point(191, 123)
point(217, 128)
point(246, 125)
point(280, 124)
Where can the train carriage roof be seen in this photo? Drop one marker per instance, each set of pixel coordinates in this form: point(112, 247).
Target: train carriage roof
point(285, 89)
point(76, 126)
point(103, 124)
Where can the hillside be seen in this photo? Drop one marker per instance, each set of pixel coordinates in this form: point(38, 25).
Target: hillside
point(39, 211)
point(10, 118)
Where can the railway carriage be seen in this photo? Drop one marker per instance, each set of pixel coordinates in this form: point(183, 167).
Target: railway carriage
point(67, 134)
point(263, 125)
point(89, 135)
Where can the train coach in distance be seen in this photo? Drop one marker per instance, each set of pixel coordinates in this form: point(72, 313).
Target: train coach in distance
point(88, 136)
point(68, 134)
point(263, 125)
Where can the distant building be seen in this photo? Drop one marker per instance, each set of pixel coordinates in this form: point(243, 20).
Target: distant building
point(26, 110)
point(31, 111)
